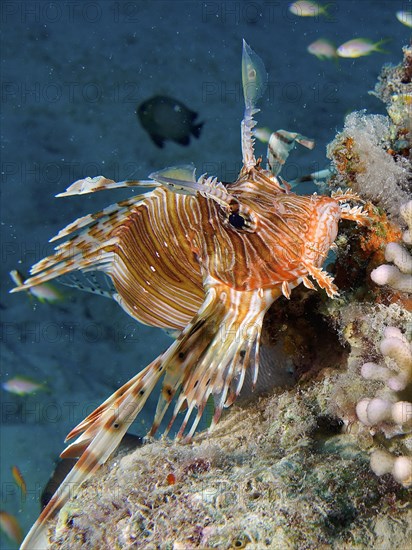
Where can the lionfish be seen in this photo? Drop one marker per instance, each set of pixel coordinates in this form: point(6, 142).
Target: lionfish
point(204, 259)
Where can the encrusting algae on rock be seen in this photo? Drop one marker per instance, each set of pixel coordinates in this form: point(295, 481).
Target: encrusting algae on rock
point(291, 470)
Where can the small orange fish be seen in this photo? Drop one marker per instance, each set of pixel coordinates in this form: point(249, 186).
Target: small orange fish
point(11, 527)
point(201, 257)
point(19, 479)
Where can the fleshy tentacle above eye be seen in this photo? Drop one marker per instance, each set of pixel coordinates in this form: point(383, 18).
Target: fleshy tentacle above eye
point(254, 81)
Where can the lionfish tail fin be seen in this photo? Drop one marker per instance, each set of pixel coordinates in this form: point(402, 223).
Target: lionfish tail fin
point(254, 81)
point(100, 434)
point(211, 355)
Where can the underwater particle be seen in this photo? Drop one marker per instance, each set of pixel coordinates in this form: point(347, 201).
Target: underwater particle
point(404, 17)
point(358, 47)
point(323, 49)
point(165, 118)
point(11, 527)
point(22, 385)
point(307, 8)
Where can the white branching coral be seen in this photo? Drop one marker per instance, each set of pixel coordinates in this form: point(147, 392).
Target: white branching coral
point(395, 346)
point(398, 276)
point(373, 411)
point(388, 409)
point(406, 213)
point(400, 467)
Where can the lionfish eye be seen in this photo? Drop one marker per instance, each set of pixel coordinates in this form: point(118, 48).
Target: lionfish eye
point(237, 221)
point(239, 216)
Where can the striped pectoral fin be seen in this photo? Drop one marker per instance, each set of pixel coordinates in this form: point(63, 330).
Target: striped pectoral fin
point(212, 354)
point(92, 247)
point(103, 431)
point(100, 183)
point(110, 216)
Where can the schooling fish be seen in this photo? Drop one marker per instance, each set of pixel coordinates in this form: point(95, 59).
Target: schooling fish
point(404, 17)
point(23, 385)
point(44, 293)
point(203, 258)
point(165, 118)
point(19, 479)
point(323, 49)
point(11, 527)
point(358, 47)
point(308, 8)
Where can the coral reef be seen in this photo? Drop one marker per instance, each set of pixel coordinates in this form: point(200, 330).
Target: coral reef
point(362, 160)
point(373, 152)
point(276, 475)
point(398, 276)
point(386, 412)
point(326, 461)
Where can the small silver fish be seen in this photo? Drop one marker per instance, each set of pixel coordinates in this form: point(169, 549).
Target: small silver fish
point(165, 118)
point(11, 527)
point(46, 293)
point(323, 49)
point(22, 385)
point(404, 17)
point(358, 47)
point(308, 8)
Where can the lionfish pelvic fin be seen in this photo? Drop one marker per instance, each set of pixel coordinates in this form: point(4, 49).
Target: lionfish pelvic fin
point(212, 354)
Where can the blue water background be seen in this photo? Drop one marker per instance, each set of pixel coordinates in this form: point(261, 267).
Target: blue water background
point(72, 75)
